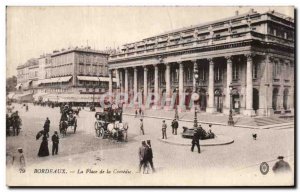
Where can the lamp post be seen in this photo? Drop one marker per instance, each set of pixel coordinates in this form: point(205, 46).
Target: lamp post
point(176, 110)
point(230, 119)
point(195, 98)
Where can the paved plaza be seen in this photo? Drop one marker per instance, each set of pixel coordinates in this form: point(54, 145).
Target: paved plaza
point(240, 159)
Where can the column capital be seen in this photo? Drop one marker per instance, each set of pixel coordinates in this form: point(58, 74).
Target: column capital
point(180, 63)
point(145, 68)
point(249, 56)
point(134, 68)
point(194, 61)
point(167, 63)
point(228, 58)
point(210, 60)
point(126, 69)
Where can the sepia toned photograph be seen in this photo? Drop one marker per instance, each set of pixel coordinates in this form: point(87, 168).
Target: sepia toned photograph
point(150, 96)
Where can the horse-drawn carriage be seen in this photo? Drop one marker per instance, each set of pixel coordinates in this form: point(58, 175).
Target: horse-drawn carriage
point(109, 124)
point(68, 119)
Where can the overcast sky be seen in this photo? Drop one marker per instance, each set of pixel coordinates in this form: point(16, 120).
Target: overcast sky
point(32, 31)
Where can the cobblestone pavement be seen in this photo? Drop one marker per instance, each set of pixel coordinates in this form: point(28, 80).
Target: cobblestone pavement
point(233, 164)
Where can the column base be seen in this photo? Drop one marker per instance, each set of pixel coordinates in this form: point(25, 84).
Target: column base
point(210, 110)
point(168, 108)
point(156, 107)
point(249, 112)
point(265, 112)
point(181, 108)
point(226, 111)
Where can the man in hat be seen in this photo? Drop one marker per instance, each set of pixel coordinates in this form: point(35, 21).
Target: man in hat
point(164, 130)
point(55, 142)
point(149, 153)
point(142, 127)
point(47, 125)
point(281, 166)
point(196, 138)
point(174, 126)
point(142, 156)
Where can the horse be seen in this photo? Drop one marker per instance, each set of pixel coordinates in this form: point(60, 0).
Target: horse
point(63, 126)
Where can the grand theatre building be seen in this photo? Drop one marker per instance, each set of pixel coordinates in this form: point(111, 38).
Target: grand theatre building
point(245, 62)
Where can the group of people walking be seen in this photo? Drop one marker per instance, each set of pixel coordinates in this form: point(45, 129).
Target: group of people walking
point(13, 121)
point(146, 157)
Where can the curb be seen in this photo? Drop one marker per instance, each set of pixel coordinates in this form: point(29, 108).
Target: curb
point(204, 145)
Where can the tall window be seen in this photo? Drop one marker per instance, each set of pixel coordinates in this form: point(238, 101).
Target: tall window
point(254, 71)
point(276, 69)
point(218, 73)
point(235, 71)
point(202, 74)
point(189, 74)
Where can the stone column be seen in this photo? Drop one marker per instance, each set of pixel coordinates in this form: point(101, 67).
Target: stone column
point(135, 88)
point(180, 86)
point(249, 86)
point(168, 80)
point(168, 86)
point(229, 81)
point(156, 80)
point(121, 82)
point(145, 84)
point(110, 84)
point(126, 83)
point(118, 78)
point(195, 71)
point(210, 105)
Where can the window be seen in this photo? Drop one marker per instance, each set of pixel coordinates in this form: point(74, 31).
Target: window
point(254, 70)
point(235, 71)
point(218, 73)
point(189, 74)
point(202, 74)
point(276, 69)
point(285, 35)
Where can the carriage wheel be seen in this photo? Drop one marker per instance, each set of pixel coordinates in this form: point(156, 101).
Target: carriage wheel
point(75, 125)
point(102, 133)
point(97, 129)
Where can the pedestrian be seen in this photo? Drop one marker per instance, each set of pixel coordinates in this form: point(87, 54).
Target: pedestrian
point(44, 150)
point(281, 166)
point(19, 160)
point(55, 142)
point(47, 125)
point(136, 112)
point(149, 154)
point(125, 131)
point(196, 138)
point(142, 127)
point(174, 126)
point(142, 153)
point(164, 130)
point(140, 112)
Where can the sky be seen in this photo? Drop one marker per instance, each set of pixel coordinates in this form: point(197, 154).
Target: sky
point(33, 31)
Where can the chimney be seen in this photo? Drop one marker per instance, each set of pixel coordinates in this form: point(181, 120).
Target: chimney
point(236, 13)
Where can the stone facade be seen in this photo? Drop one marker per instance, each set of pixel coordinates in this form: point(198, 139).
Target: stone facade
point(245, 62)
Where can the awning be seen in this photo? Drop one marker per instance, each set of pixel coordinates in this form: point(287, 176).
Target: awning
point(64, 79)
point(107, 79)
point(18, 85)
point(87, 78)
point(27, 84)
point(54, 80)
point(11, 95)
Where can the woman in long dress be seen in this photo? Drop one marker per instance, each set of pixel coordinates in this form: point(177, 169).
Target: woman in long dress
point(44, 150)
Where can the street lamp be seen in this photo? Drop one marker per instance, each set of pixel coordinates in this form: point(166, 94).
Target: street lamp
point(176, 110)
point(195, 97)
point(230, 119)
